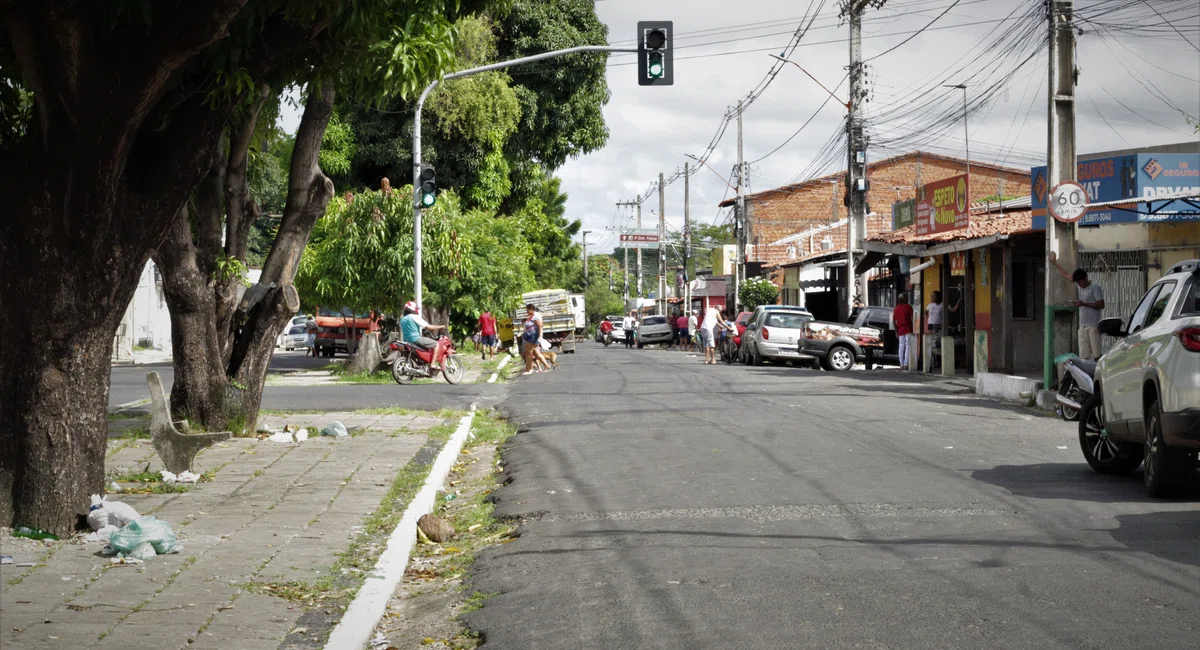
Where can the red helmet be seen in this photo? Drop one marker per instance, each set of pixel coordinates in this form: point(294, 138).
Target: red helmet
point(412, 306)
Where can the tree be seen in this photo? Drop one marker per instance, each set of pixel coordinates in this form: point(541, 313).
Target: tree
point(757, 291)
point(599, 301)
point(130, 101)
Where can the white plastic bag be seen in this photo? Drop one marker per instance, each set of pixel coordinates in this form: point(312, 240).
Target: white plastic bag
point(335, 429)
point(105, 513)
point(144, 530)
point(544, 343)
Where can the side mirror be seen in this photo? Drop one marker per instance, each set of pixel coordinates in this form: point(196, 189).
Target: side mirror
point(1112, 327)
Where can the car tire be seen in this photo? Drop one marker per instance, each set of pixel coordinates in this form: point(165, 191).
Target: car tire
point(1105, 455)
point(1167, 469)
point(839, 359)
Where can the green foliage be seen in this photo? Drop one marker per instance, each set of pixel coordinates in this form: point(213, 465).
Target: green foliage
point(600, 302)
point(16, 110)
point(757, 291)
point(360, 254)
point(337, 148)
point(229, 268)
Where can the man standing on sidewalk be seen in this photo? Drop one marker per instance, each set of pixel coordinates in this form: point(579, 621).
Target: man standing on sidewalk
point(1091, 308)
point(902, 319)
point(487, 334)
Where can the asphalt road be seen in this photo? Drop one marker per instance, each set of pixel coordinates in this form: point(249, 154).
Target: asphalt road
point(669, 504)
point(128, 385)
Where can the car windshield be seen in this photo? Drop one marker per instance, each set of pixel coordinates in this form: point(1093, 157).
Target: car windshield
point(1191, 301)
point(345, 312)
point(299, 329)
point(787, 320)
point(744, 318)
point(654, 320)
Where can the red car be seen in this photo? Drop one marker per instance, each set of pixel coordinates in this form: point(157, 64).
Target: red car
point(743, 319)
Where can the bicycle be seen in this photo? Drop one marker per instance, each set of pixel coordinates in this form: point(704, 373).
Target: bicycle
point(729, 351)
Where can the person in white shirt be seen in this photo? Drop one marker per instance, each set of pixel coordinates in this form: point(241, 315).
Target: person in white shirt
point(694, 327)
point(629, 323)
point(707, 338)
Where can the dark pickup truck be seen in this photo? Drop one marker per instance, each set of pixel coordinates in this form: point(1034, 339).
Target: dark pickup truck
point(838, 346)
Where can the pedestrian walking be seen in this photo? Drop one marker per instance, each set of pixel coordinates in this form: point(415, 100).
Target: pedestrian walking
point(708, 324)
point(934, 322)
point(629, 323)
point(1091, 308)
point(685, 339)
point(310, 331)
point(694, 330)
point(902, 319)
point(674, 323)
point(487, 335)
point(531, 334)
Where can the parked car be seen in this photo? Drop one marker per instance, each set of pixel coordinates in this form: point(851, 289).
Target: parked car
point(618, 330)
point(837, 347)
point(777, 336)
point(743, 319)
point(753, 322)
point(281, 341)
point(654, 329)
point(296, 338)
point(1146, 405)
point(880, 318)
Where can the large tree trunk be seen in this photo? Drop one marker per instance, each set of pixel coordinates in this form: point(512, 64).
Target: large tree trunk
point(256, 325)
point(223, 348)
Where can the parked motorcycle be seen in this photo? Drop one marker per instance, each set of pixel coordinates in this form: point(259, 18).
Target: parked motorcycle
point(409, 362)
point(1076, 386)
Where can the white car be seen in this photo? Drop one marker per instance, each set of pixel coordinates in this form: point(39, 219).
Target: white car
point(1146, 405)
point(775, 336)
point(296, 338)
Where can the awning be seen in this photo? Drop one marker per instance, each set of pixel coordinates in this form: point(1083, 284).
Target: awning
point(869, 260)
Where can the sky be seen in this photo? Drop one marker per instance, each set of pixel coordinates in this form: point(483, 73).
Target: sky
point(1134, 88)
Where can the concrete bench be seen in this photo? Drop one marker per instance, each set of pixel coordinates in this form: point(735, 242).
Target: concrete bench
point(176, 448)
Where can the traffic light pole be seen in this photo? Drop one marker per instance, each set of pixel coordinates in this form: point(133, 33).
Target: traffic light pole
point(417, 253)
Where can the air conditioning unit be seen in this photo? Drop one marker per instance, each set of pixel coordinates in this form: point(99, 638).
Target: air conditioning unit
point(791, 252)
point(827, 244)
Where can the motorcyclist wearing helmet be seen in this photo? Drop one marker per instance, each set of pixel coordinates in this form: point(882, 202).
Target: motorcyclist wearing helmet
point(412, 327)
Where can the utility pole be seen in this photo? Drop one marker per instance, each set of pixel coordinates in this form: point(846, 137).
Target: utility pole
point(687, 244)
point(662, 249)
point(586, 271)
point(738, 267)
point(639, 251)
point(1060, 166)
point(856, 191)
point(625, 246)
point(966, 135)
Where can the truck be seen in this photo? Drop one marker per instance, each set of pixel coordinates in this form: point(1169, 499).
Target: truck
point(837, 346)
point(558, 318)
point(580, 315)
point(341, 330)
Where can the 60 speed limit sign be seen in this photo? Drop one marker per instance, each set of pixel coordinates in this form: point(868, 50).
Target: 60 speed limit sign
point(1068, 202)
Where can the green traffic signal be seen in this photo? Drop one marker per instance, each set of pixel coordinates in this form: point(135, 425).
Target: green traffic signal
point(655, 67)
point(429, 189)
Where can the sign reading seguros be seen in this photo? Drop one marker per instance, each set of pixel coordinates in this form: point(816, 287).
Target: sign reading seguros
point(943, 206)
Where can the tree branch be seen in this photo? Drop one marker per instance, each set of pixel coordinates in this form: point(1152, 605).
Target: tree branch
point(239, 203)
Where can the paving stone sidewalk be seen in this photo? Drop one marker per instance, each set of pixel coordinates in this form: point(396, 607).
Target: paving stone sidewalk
point(275, 512)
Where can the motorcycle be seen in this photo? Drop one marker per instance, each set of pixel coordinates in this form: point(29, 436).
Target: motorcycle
point(1077, 385)
point(409, 362)
point(608, 338)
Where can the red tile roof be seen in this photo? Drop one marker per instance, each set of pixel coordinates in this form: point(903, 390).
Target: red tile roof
point(981, 225)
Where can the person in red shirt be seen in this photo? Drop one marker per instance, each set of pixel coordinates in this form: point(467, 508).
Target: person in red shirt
point(487, 334)
point(902, 318)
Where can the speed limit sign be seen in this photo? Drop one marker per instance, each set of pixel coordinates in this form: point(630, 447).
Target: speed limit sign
point(1068, 202)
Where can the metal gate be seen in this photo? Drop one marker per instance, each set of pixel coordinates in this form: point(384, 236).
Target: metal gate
point(1122, 276)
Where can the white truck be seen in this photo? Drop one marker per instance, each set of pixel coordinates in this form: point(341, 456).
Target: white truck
point(558, 318)
point(580, 314)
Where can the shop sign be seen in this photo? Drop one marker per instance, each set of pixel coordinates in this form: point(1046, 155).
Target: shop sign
point(943, 206)
point(1133, 176)
point(958, 263)
point(904, 213)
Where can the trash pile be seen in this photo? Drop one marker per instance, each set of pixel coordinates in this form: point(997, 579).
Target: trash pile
point(128, 535)
point(292, 433)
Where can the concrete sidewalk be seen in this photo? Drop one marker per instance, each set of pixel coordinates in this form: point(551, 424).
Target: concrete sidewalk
point(259, 567)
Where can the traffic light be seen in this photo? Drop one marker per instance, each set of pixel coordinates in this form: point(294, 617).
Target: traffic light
point(427, 192)
point(654, 53)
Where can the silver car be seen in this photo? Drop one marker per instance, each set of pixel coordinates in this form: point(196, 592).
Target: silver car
point(295, 339)
point(654, 329)
point(775, 336)
point(1147, 403)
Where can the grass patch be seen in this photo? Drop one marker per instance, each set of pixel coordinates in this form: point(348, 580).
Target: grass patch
point(444, 414)
point(366, 378)
point(151, 483)
point(135, 433)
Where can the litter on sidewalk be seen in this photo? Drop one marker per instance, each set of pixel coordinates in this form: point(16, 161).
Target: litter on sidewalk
point(143, 539)
point(103, 513)
point(335, 429)
point(183, 477)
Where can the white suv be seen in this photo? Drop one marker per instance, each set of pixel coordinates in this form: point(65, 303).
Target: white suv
point(1147, 404)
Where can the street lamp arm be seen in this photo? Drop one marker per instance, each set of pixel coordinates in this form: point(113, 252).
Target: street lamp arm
point(417, 252)
point(705, 163)
point(846, 104)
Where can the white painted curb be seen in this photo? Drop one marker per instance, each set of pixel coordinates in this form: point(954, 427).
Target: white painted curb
point(503, 362)
point(369, 605)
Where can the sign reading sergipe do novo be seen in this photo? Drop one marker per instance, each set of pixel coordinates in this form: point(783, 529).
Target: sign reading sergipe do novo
point(1136, 177)
point(943, 206)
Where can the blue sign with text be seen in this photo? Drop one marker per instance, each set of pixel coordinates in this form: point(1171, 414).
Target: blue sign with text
point(1131, 176)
